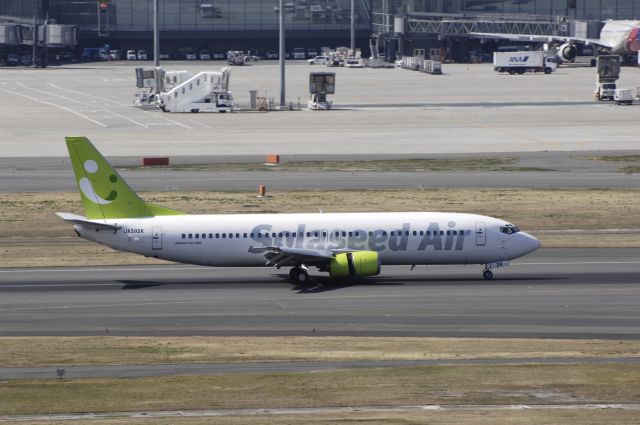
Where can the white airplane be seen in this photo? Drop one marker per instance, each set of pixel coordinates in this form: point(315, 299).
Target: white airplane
point(620, 37)
point(345, 244)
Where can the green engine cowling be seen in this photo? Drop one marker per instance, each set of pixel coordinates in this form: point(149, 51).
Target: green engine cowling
point(360, 263)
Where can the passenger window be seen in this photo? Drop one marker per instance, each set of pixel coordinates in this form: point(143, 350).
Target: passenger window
point(357, 234)
point(217, 235)
point(230, 235)
point(184, 236)
point(286, 234)
point(441, 232)
point(384, 233)
point(350, 234)
point(210, 235)
point(251, 234)
point(455, 232)
point(422, 232)
point(391, 233)
point(204, 236)
point(237, 235)
point(190, 235)
point(415, 233)
point(244, 235)
point(448, 232)
point(197, 236)
point(428, 232)
point(324, 234)
point(224, 236)
point(344, 234)
point(316, 234)
point(308, 234)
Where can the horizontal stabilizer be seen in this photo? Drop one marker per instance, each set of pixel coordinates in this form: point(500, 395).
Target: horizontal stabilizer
point(78, 219)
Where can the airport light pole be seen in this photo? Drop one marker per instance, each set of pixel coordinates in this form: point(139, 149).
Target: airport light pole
point(156, 33)
point(281, 55)
point(34, 52)
point(353, 26)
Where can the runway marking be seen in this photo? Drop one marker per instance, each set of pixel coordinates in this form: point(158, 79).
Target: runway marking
point(86, 104)
point(115, 102)
point(319, 410)
point(209, 269)
point(146, 303)
point(55, 105)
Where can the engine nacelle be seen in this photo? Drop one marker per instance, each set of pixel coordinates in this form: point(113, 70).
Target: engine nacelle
point(360, 263)
point(567, 52)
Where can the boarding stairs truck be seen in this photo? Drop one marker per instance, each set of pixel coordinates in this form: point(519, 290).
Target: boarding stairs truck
point(608, 73)
point(521, 62)
point(206, 91)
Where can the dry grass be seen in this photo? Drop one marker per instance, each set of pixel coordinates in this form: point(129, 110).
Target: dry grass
point(445, 385)
point(482, 417)
point(70, 351)
point(31, 235)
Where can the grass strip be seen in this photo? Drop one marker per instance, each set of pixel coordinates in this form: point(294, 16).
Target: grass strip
point(478, 417)
point(478, 385)
point(487, 164)
point(112, 350)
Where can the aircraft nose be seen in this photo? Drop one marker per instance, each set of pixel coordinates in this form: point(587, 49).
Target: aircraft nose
point(530, 243)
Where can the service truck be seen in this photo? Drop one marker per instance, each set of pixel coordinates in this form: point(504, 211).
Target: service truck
point(521, 62)
point(608, 73)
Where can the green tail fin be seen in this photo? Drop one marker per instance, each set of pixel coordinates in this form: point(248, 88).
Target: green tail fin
point(104, 193)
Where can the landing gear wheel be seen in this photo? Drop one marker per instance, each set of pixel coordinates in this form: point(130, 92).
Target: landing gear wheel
point(487, 275)
point(293, 272)
point(301, 277)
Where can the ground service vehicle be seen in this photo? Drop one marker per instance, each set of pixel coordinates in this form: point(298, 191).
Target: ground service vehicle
point(521, 62)
point(608, 72)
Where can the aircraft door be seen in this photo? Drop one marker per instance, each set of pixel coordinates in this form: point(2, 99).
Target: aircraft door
point(481, 234)
point(156, 237)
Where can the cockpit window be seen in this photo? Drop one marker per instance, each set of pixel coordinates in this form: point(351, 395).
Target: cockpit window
point(509, 229)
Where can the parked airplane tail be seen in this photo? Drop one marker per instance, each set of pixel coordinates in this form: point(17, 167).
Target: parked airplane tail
point(104, 193)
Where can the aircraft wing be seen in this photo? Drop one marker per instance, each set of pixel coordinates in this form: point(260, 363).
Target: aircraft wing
point(284, 257)
point(544, 38)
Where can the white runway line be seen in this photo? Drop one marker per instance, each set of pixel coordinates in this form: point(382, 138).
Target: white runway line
point(55, 105)
point(115, 102)
point(85, 104)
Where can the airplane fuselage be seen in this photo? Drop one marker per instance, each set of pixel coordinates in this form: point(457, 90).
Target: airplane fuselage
point(622, 35)
point(398, 238)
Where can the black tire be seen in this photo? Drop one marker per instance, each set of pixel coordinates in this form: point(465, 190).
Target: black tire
point(547, 70)
point(512, 71)
point(293, 271)
point(301, 277)
point(487, 275)
point(195, 111)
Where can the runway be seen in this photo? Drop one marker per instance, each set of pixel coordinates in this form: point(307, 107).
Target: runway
point(553, 293)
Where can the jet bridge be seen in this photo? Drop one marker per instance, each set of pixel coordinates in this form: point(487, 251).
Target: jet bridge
point(206, 91)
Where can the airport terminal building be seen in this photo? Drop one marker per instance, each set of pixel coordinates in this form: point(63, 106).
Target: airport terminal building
point(253, 24)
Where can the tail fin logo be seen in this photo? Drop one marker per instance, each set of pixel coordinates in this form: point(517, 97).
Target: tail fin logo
point(91, 167)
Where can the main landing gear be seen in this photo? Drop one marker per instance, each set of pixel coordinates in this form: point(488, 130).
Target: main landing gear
point(299, 275)
point(487, 274)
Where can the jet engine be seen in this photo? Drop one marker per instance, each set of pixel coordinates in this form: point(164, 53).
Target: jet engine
point(567, 52)
point(359, 263)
